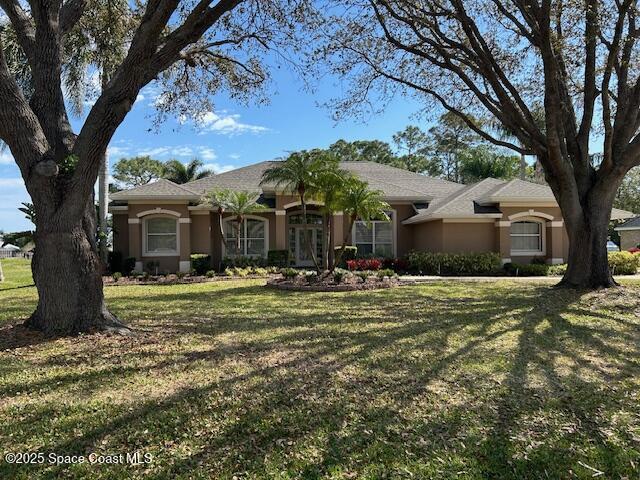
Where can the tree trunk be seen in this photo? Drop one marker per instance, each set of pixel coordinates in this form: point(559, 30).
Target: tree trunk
point(523, 167)
point(588, 264)
point(338, 258)
point(67, 272)
point(326, 240)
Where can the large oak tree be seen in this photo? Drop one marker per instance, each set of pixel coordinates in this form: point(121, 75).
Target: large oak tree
point(577, 60)
point(191, 49)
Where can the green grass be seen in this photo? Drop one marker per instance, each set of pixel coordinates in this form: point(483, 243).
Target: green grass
point(17, 272)
point(228, 379)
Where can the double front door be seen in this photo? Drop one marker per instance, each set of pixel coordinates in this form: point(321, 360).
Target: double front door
point(298, 245)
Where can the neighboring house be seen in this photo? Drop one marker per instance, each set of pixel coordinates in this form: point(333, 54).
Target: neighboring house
point(166, 222)
point(9, 251)
point(629, 233)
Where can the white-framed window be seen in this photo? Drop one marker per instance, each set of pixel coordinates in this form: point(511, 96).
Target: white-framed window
point(253, 237)
point(161, 236)
point(527, 237)
point(375, 238)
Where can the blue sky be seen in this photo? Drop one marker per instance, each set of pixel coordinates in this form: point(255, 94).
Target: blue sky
point(231, 136)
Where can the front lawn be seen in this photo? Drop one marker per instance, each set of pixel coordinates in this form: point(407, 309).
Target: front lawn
point(229, 379)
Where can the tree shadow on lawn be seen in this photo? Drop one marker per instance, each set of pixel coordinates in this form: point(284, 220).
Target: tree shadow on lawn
point(386, 381)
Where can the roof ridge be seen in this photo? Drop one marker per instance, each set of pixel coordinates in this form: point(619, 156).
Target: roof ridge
point(403, 170)
point(181, 186)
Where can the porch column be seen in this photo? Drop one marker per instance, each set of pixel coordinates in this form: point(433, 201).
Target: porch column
point(185, 244)
point(281, 230)
point(503, 240)
point(135, 242)
point(555, 242)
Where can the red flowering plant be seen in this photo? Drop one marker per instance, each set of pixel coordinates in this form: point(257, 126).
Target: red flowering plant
point(364, 264)
point(634, 250)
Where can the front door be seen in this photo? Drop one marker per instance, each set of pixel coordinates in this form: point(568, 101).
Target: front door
point(303, 258)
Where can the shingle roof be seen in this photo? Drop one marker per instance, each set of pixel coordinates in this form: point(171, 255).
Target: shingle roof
point(633, 223)
point(516, 188)
point(159, 189)
point(462, 203)
point(394, 183)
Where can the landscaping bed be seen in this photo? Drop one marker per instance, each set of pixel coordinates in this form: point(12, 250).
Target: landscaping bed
point(337, 281)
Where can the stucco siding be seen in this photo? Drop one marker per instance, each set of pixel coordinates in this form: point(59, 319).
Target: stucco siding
point(427, 237)
point(201, 233)
point(469, 237)
point(121, 234)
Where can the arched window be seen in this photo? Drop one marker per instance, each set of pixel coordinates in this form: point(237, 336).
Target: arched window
point(527, 237)
point(253, 237)
point(160, 236)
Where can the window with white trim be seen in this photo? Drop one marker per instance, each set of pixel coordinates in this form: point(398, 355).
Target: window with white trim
point(161, 236)
point(374, 238)
point(527, 237)
point(253, 242)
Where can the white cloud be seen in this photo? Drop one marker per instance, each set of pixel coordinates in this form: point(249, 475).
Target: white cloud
point(11, 182)
point(207, 153)
point(5, 157)
point(234, 156)
point(218, 168)
point(227, 124)
point(139, 98)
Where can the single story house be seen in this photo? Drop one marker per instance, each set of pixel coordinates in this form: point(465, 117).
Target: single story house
point(629, 233)
point(165, 222)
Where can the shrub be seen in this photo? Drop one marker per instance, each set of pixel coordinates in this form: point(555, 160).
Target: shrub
point(528, 269)
point(114, 259)
point(538, 261)
point(278, 258)
point(364, 264)
point(210, 273)
point(244, 262)
point(259, 271)
point(350, 253)
point(181, 275)
point(557, 269)
point(428, 263)
point(339, 274)
point(623, 263)
point(398, 265)
point(128, 265)
point(289, 273)
point(200, 262)
point(311, 276)
point(385, 272)
point(116, 276)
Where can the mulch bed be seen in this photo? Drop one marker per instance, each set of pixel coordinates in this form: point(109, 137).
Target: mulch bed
point(174, 280)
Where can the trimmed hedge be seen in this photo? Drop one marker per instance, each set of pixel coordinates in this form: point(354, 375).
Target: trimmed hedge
point(428, 263)
point(115, 262)
point(278, 258)
point(201, 263)
point(243, 262)
point(350, 253)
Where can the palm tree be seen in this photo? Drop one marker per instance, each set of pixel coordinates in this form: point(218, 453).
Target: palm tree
point(178, 172)
point(239, 203)
point(298, 174)
point(358, 201)
point(328, 187)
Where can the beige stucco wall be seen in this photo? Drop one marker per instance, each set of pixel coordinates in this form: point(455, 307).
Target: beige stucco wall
point(629, 239)
point(468, 237)
point(428, 236)
point(201, 233)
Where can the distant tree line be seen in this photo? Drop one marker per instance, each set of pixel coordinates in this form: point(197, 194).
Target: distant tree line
point(135, 171)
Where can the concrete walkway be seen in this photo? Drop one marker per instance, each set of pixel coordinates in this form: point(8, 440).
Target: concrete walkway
point(547, 279)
